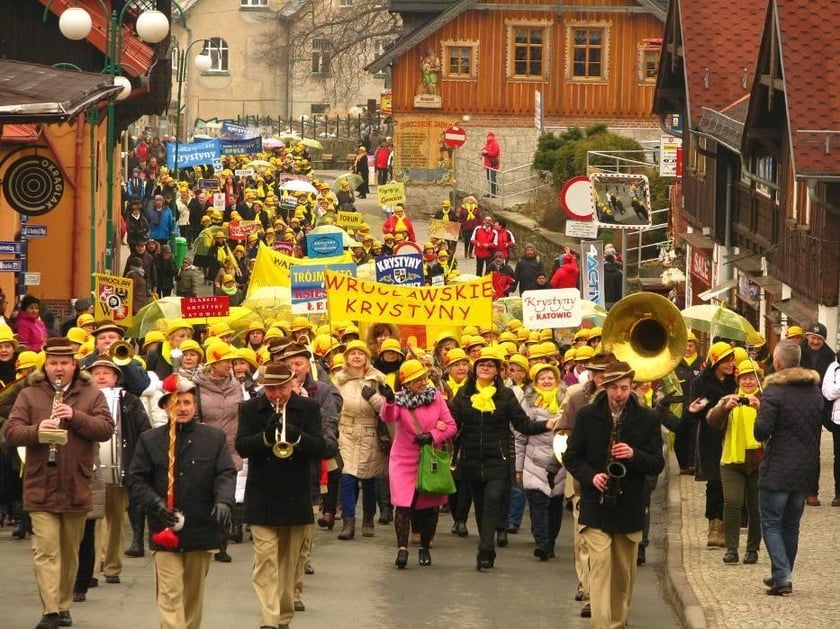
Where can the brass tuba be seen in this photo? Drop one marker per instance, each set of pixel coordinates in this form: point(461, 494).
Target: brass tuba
point(646, 331)
point(121, 353)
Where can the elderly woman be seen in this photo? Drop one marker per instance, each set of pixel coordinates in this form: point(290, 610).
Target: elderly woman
point(421, 417)
point(221, 394)
point(358, 441)
point(484, 408)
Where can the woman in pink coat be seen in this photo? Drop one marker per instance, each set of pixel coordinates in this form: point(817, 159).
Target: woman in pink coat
point(30, 328)
point(435, 427)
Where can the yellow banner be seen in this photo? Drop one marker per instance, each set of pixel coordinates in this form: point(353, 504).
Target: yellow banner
point(114, 296)
point(361, 300)
point(445, 230)
point(390, 193)
point(349, 220)
point(273, 268)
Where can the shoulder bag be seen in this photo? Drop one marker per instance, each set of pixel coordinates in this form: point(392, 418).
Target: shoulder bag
point(434, 473)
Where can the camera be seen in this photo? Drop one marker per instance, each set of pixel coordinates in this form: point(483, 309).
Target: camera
point(743, 401)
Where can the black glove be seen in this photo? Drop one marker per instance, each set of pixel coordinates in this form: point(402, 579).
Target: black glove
point(222, 513)
point(270, 433)
point(423, 439)
point(163, 514)
point(386, 392)
point(367, 392)
point(292, 433)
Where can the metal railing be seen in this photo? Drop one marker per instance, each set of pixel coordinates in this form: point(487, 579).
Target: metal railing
point(519, 184)
point(643, 252)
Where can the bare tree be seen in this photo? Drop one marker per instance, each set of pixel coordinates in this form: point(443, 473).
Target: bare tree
point(326, 44)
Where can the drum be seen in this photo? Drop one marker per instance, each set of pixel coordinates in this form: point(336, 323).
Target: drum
point(109, 470)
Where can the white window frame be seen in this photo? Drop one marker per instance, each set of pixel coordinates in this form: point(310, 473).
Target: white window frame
point(322, 47)
point(253, 4)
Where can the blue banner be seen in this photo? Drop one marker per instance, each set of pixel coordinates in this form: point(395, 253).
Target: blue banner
point(308, 282)
point(405, 269)
point(324, 245)
point(192, 153)
point(241, 147)
point(233, 130)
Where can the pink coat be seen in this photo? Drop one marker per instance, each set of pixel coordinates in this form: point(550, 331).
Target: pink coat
point(31, 331)
point(405, 453)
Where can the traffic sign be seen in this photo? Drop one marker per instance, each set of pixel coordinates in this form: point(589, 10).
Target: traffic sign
point(32, 278)
point(576, 198)
point(454, 136)
point(11, 247)
point(11, 266)
point(33, 231)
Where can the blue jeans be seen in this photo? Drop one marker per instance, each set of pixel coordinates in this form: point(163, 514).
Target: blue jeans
point(780, 513)
point(349, 492)
point(517, 505)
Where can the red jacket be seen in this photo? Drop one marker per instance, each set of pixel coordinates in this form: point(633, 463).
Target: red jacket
point(484, 241)
point(504, 242)
point(567, 275)
point(381, 156)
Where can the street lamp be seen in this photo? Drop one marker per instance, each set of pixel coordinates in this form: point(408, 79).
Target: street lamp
point(152, 26)
point(203, 62)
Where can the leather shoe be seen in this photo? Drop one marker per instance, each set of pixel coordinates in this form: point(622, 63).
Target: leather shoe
point(541, 553)
point(483, 561)
point(424, 558)
point(730, 556)
point(48, 621)
point(64, 619)
point(641, 556)
point(579, 595)
point(501, 537)
point(586, 611)
point(299, 606)
point(460, 529)
point(79, 597)
point(513, 529)
point(402, 558)
point(813, 501)
point(222, 557)
point(94, 583)
point(779, 590)
point(836, 501)
point(113, 578)
point(308, 569)
point(751, 556)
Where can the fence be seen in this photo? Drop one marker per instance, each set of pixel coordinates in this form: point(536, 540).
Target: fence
point(519, 184)
point(323, 126)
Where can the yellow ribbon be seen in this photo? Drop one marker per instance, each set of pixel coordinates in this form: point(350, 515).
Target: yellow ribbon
point(483, 400)
point(547, 399)
point(470, 212)
point(739, 433)
point(455, 386)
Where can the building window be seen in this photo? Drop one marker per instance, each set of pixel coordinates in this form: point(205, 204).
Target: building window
point(697, 156)
point(321, 56)
point(381, 45)
point(251, 4)
point(219, 53)
point(765, 168)
point(460, 60)
point(345, 3)
point(587, 52)
point(319, 108)
point(174, 55)
point(649, 53)
point(528, 50)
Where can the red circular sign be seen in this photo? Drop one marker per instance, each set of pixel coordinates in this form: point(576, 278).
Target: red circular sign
point(576, 198)
point(453, 137)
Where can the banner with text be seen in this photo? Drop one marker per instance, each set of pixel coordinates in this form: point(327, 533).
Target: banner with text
point(360, 300)
point(273, 268)
point(390, 193)
point(592, 270)
point(113, 298)
point(349, 220)
point(308, 292)
point(556, 308)
point(445, 230)
point(192, 153)
point(405, 269)
point(241, 147)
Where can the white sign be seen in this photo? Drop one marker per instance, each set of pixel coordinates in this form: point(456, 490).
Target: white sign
point(555, 308)
point(318, 306)
point(32, 279)
point(668, 147)
point(217, 165)
point(219, 201)
point(244, 172)
point(585, 230)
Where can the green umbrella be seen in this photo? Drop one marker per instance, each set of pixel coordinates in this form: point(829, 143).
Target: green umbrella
point(718, 321)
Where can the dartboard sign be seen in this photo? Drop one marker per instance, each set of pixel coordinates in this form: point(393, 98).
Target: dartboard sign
point(33, 185)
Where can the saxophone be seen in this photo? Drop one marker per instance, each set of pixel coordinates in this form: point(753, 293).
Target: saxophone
point(615, 469)
point(53, 436)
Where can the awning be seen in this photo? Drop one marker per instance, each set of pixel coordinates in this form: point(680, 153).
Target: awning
point(797, 310)
point(34, 93)
point(769, 283)
point(716, 291)
point(749, 264)
point(697, 239)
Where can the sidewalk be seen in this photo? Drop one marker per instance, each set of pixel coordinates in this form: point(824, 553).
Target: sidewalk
point(709, 593)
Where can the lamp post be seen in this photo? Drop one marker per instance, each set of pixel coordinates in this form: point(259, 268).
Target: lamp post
point(152, 26)
point(203, 62)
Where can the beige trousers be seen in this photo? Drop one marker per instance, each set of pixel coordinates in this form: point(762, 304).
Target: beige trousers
point(303, 559)
point(56, 556)
point(612, 570)
point(179, 579)
point(581, 554)
point(113, 527)
point(276, 552)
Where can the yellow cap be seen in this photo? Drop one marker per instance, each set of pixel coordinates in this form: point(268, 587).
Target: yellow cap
point(455, 355)
point(191, 345)
point(153, 336)
point(8, 336)
point(749, 366)
point(718, 351)
point(584, 353)
point(248, 355)
point(794, 330)
point(177, 324)
point(85, 319)
point(520, 361)
point(411, 370)
point(536, 369)
point(26, 360)
point(220, 329)
point(220, 351)
point(359, 345)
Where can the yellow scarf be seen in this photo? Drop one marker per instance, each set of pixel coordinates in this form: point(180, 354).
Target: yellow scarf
point(470, 212)
point(483, 400)
point(689, 360)
point(399, 225)
point(739, 433)
point(455, 386)
point(547, 399)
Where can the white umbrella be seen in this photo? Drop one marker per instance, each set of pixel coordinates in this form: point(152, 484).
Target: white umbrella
point(299, 185)
point(334, 229)
point(272, 143)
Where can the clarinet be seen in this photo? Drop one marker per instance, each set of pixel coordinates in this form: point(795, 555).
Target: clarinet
point(57, 399)
point(615, 469)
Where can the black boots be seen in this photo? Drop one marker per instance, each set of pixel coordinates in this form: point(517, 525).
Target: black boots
point(402, 558)
point(367, 525)
point(460, 529)
point(386, 514)
point(236, 523)
point(485, 559)
point(348, 528)
point(137, 518)
point(424, 557)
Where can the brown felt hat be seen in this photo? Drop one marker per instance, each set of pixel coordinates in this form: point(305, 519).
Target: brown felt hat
point(275, 374)
point(59, 346)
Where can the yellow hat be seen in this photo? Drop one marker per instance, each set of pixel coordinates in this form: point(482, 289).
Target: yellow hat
point(794, 330)
point(227, 277)
point(85, 319)
point(749, 366)
point(584, 353)
point(541, 350)
point(718, 351)
point(455, 355)
point(569, 356)
point(86, 348)
point(300, 323)
point(536, 369)
point(153, 336)
point(754, 339)
point(506, 336)
point(8, 336)
point(740, 355)
point(256, 326)
point(520, 361)
point(348, 330)
point(514, 324)
point(581, 335)
point(219, 234)
point(411, 370)
point(220, 351)
point(337, 362)
point(690, 336)
point(509, 348)
point(546, 334)
point(177, 324)
point(489, 353)
point(220, 329)
point(239, 249)
point(357, 344)
point(474, 341)
point(191, 345)
point(594, 332)
point(471, 330)
point(248, 355)
point(522, 334)
point(26, 360)
point(391, 345)
point(205, 220)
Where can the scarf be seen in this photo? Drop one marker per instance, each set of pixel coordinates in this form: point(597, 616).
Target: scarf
point(547, 399)
point(399, 224)
point(739, 433)
point(409, 400)
point(455, 386)
point(483, 400)
point(689, 360)
point(229, 291)
point(470, 208)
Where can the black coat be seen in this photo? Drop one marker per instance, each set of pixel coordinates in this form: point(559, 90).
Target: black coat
point(204, 476)
point(586, 456)
point(484, 439)
point(612, 283)
point(709, 440)
point(277, 492)
point(134, 422)
point(526, 272)
point(789, 421)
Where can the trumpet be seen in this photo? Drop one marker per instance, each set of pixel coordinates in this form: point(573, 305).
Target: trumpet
point(122, 353)
point(55, 436)
point(282, 449)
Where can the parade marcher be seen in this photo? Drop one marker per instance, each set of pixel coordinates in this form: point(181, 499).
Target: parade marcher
point(614, 428)
point(469, 215)
point(183, 476)
point(421, 417)
point(81, 306)
point(483, 409)
point(567, 274)
point(483, 241)
point(399, 222)
point(56, 487)
point(735, 415)
point(277, 494)
point(134, 377)
point(527, 268)
point(684, 437)
point(382, 158)
point(789, 423)
point(133, 420)
point(188, 279)
point(361, 168)
point(715, 381)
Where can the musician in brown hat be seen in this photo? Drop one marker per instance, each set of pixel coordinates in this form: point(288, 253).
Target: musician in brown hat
point(133, 377)
point(615, 443)
point(60, 406)
point(280, 435)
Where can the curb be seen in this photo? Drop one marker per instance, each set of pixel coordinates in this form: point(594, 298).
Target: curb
point(677, 587)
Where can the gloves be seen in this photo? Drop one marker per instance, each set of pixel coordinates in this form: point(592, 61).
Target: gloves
point(270, 433)
point(386, 392)
point(292, 433)
point(423, 439)
point(163, 514)
point(222, 513)
point(367, 392)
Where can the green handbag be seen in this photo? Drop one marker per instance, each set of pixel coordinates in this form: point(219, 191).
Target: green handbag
point(434, 473)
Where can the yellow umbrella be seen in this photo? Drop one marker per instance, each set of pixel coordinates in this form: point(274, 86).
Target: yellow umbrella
point(311, 143)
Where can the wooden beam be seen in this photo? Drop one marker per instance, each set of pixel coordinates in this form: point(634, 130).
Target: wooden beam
point(776, 84)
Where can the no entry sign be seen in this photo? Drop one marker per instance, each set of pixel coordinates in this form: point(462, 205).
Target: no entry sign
point(453, 137)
